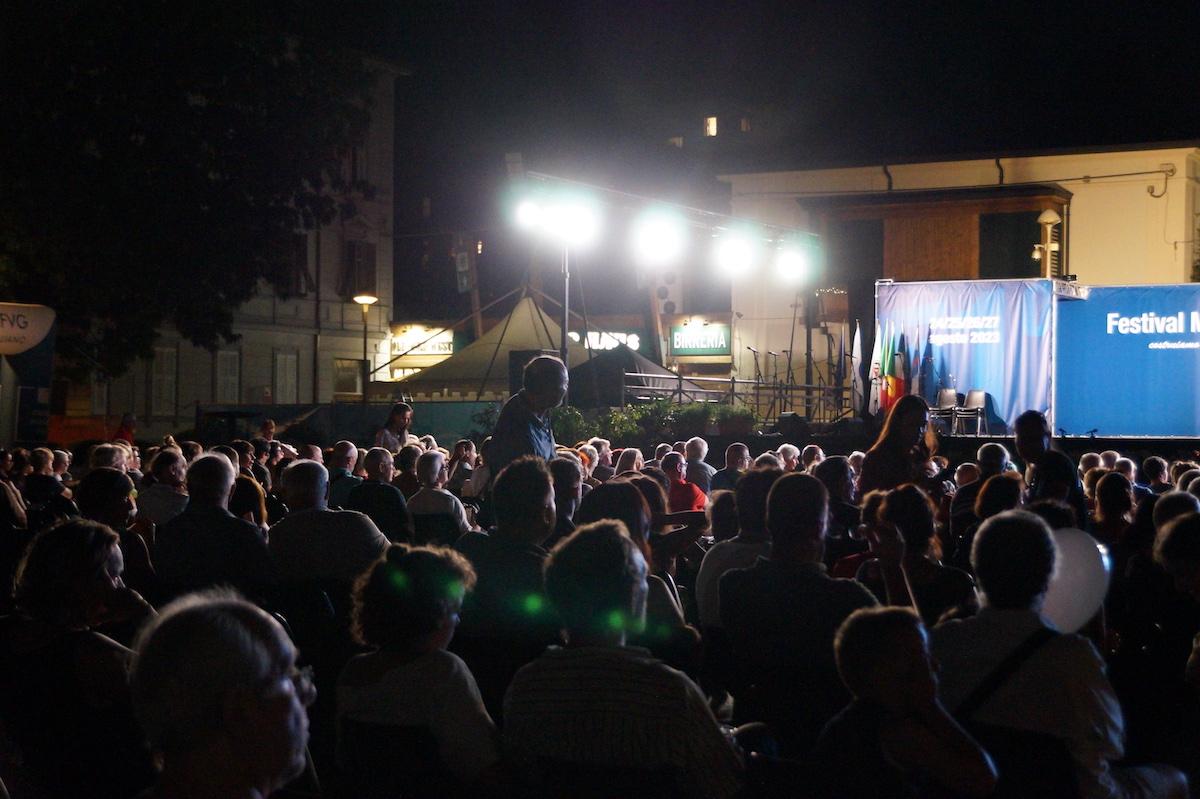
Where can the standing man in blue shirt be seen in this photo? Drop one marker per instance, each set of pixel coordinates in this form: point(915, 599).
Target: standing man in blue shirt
point(524, 424)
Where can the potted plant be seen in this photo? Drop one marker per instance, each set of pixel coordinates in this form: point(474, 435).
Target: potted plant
point(735, 420)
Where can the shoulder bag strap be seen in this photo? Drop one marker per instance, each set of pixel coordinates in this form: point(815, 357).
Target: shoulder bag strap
point(1000, 675)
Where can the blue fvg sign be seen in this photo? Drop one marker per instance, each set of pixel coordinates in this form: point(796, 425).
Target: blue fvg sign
point(1128, 362)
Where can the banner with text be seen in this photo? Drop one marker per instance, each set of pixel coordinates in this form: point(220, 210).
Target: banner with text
point(1128, 362)
point(993, 336)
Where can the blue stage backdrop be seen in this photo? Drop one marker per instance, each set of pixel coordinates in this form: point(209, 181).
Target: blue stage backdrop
point(989, 335)
point(1128, 362)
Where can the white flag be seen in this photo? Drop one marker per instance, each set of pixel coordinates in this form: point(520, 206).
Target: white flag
point(856, 381)
point(875, 374)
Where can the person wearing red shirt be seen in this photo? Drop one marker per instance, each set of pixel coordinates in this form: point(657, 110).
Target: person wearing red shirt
point(683, 496)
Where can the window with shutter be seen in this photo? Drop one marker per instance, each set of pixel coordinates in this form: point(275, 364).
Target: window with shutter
point(229, 368)
point(163, 381)
point(286, 375)
point(358, 270)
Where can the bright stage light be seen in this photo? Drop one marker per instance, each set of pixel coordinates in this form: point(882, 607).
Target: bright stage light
point(792, 265)
point(736, 252)
point(573, 221)
point(659, 238)
point(528, 215)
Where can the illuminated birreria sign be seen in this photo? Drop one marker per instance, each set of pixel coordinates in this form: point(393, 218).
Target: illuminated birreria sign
point(711, 338)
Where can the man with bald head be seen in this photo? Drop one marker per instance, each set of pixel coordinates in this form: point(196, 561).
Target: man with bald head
point(993, 459)
point(314, 543)
point(524, 424)
point(341, 473)
point(206, 545)
point(380, 500)
point(737, 461)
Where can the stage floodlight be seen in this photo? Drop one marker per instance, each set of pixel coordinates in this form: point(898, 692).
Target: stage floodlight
point(658, 238)
point(736, 253)
point(573, 221)
point(528, 214)
point(792, 265)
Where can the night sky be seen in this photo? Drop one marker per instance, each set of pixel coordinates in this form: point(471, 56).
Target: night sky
point(592, 90)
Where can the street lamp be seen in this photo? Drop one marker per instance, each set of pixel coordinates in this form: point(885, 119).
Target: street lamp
point(366, 301)
point(568, 220)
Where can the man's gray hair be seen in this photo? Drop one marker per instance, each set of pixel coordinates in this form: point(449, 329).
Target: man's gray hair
point(189, 657)
point(106, 455)
point(696, 448)
point(993, 458)
point(788, 451)
point(306, 479)
point(429, 466)
point(210, 479)
point(375, 459)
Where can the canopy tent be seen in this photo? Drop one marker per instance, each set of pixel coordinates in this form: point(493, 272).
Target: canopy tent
point(601, 382)
point(483, 365)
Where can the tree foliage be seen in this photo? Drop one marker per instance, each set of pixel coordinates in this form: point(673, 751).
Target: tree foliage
point(157, 159)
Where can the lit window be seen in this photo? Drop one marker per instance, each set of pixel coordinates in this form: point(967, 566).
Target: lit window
point(745, 124)
point(675, 141)
point(710, 126)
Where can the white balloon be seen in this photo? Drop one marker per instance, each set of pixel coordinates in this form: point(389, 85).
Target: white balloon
point(1078, 588)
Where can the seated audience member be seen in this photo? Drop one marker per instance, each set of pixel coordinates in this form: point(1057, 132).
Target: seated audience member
point(1048, 474)
point(206, 545)
point(844, 516)
point(810, 456)
point(1089, 485)
point(248, 501)
point(258, 466)
point(64, 699)
point(342, 479)
point(1089, 461)
point(505, 621)
point(462, 464)
point(410, 680)
point(993, 459)
point(107, 496)
point(314, 543)
point(1058, 515)
point(659, 451)
point(216, 689)
point(847, 567)
point(768, 460)
point(1000, 492)
point(781, 615)
point(381, 501)
point(965, 474)
point(1114, 508)
point(667, 634)
point(42, 485)
point(61, 465)
point(1185, 480)
point(433, 501)
point(722, 515)
point(683, 496)
point(1109, 458)
point(630, 460)
point(789, 455)
point(588, 456)
point(856, 461)
point(895, 738)
point(1058, 688)
point(603, 470)
point(567, 475)
point(481, 476)
point(166, 497)
point(245, 456)
point(737, 461)
point(673, 536)
point(740, 552)
point(1128, 469)
point(406, 470)
point(698, 473)
point(597, 703)
point(936, 588)
point(107, 455)
point(1177, 550)
point(1155, 475)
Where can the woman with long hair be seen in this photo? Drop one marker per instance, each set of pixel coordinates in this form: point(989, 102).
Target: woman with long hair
point(902, 449)
point(394, 433)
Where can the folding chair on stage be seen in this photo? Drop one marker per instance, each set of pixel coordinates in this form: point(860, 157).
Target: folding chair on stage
point(974, 408)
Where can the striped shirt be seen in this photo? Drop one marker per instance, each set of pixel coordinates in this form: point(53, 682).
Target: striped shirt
point(618, 706)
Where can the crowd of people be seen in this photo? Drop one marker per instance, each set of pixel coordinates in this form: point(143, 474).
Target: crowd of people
point(537, 619)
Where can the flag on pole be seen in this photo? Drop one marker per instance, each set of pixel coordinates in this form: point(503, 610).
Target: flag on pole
point(839, 371)
point(914, 374)
point(856, 378)
point(876, 374)
point(887, 369)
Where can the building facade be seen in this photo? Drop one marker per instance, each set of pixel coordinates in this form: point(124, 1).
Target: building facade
point(305, 349)
point(1126, 216)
